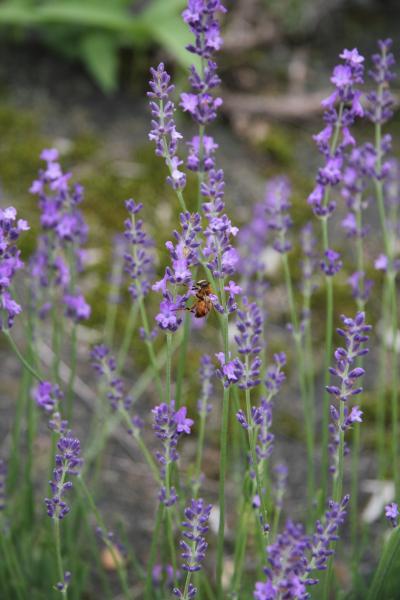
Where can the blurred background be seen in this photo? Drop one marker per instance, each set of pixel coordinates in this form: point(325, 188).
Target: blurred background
point(74, 75)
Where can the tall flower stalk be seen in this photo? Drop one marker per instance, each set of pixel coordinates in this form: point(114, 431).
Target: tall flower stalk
point(342, 107)
point(379, 111)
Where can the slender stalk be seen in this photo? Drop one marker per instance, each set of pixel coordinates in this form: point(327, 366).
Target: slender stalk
point(354, 509)
point(15, 578)
point(223, 460)
point(153, 551)
point(119, 566)
point(182, 360)
point(150, 348)
point(308, 416)
point(329, 323)
point(382, 383)
point(252, 444)
point(57, 541)
point(72, 373)
point(127, 339)
point(20, 357)
point(391, 280)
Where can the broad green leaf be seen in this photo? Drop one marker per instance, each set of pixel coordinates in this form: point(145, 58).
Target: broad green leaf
point(99, 52)
point(390, 554)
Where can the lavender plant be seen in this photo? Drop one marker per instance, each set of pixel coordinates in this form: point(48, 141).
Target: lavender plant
point(237, 538)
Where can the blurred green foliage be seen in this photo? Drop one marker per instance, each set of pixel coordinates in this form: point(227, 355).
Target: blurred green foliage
point(94, 31)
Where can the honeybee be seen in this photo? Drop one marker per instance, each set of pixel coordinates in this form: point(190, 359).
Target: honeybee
point(203, 303)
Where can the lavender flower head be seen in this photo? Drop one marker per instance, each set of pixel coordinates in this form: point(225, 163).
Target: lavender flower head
point(10, 263)
point(168, 426)
point(58, 257)
point(139, 263)
point(105, 365)
point(342, 107)
point(222, 258)
point(295, 555)
point(249, 324)
point(201, 17)
point(392, 513)
point(164, 132)
point(184, 256)
point(380, 102)
point(68, 462)
point(277, 205)
point(193, 543)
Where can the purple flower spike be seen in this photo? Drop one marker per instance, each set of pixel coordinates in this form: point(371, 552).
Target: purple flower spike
point(249, 324)
point(68, 462)
point(10, 263)
point(332, 263)
point(195, 527)
point(139, 263)
point(164, 132)
point(168, 427)
point(105, 365)
point(76, 307)
point(392, 513)
point(380, 104)
point(342, 108)
point(277, 205)
point(64, 233)
point(48, 396)
point(355, 336)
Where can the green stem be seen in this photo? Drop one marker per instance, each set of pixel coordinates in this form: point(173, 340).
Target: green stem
point(223, 460)
point(71, 379)
point(153, 551)
point(150, 348)
point(127, 339)
point(182, 360)
point(308, 417)
point(119, 566)
point(382, 383)
point(354, 508)
point(57, 541)
point(252, 446)
point(15, 578)
point(23, 361)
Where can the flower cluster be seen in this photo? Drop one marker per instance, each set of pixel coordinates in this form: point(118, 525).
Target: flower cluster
point(164, 132)
point(277, 205)
point(201, 16)
point(193, 543)
point(169, 425)
point(59, 255)
point(184, 255)
point(139, 263)
point(105, 365)
point(355, 336)
point(10, 263)
point(68, 462)
point(48, 397)
point(392, 513)
point(221, 257)
point(249, 324)
point(295, 555)
point(341, 109)
point(380, 102)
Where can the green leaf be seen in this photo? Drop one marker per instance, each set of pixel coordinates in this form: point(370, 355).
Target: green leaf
point(390, 554)
point(99, 52)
